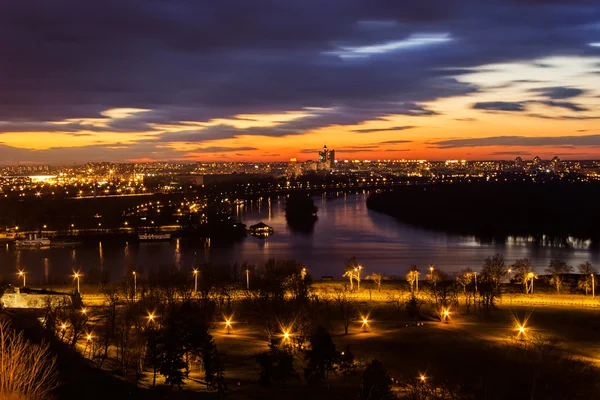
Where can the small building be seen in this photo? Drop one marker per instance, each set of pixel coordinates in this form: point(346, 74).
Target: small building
point(261, 230)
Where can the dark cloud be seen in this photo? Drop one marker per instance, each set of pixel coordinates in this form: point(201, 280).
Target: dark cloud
point(555, 141)
point(396, 141)
point(394, 128)
point(499, 106)
point(514, 154)
point(190, 60)
point(558, 92)
point(563, 104)
point(520, 106)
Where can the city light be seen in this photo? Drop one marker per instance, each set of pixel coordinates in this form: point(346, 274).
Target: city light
point(423, 378)
point(22, 274)
point(77, 275)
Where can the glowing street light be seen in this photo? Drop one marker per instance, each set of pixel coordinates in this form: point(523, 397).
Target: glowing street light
point(228, 326)
point(83, 311)
point(76, 275)
point(365, 323)
point(195, 281)
point(151, 317)
point(593, 287)
point(247, 279)
point(422, 378)
point(22, 275)
point(357, 270)
point(446, 315)
point(286, 335)
point(303, 273)
point(134, 285)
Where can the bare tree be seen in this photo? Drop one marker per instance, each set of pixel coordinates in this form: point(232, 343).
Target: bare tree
point(412, 277)
point(346, 306)
point(352, 271)
point(27, 370)
point(377, 278)
point(523, 272)
point(557, 269)
point(586, 270)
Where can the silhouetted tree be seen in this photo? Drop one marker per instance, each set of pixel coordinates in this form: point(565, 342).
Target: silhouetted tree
point(376, 384)
point(556, 269)
point(321, 357)
point(586, 281)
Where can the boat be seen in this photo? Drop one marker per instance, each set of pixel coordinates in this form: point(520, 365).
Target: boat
point(261, 230)
point(6, 236)
point(154, 236)
point(33, 242)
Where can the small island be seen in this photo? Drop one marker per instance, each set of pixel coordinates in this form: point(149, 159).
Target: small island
point(301, 212)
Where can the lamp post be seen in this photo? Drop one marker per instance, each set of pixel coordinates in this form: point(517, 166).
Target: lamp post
point(228, 326)
point(134, 285)
point(22, 275)
point(76, 276)
point(195, 281)
point(417, 282)
point(247, 279)
point(593, 287)
point(357, 270)
point(475, 277)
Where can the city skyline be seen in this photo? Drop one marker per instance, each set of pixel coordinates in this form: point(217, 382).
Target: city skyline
point(191, 82)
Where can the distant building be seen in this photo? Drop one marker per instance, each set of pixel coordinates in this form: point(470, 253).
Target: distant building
point(327, 158)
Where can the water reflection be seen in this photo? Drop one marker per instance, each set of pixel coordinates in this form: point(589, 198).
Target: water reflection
point(345, 228)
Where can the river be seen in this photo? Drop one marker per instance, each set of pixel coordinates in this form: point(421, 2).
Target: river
point(345, 228)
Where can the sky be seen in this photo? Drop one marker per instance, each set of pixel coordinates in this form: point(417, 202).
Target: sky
point(239, 80)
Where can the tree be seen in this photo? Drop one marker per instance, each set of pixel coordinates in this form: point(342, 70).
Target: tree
point(376, 384)
point(466, 279)
point(523, 271)
point(493, 272)
point(346, 306)
point(586, 270)
point(321, 357)
point(412, 277)
point(556, 269)
point(276, 364)
point(28, 371)
point(213, 367)
point(377, 278)
point(352, 271)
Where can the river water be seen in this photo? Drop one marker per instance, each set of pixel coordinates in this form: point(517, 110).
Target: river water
point(345, 228)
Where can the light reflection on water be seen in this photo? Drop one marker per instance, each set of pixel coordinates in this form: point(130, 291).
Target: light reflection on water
point(345, 228)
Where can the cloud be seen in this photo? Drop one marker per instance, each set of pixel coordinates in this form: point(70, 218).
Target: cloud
point(521, 106)
point(511, 153)
point(499, 106)
point(556, 141)
point(400, 141)
point(558, 92)
point(202, 61)
point(563, 104)
point(393, 128)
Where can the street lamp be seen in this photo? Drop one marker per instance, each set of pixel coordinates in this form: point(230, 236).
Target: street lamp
point(195, 281)
point(76, 275)
point(365, 323)
point(357, 270)
point(134, 285)
point(446, 315)
point(22, 275)
point(423, 378)
point(593, 287)
point(303, 273)
point(228, 326)
point(247, 279)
